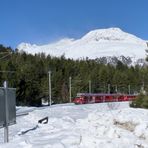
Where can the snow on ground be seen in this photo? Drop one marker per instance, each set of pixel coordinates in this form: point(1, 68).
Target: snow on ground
point(104, 125)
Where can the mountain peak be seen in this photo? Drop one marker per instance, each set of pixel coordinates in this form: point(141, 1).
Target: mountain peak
point(111, 34)
point(25, 46)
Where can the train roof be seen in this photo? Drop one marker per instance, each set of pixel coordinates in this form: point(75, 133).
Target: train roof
point(102, 94)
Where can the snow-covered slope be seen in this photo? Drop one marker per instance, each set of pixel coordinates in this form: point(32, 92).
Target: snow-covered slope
point(95, 44)
point(102, 125)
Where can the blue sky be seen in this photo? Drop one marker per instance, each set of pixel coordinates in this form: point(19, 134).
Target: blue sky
point(45, 21)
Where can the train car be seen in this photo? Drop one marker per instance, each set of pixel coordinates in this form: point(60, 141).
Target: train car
point(85, 98)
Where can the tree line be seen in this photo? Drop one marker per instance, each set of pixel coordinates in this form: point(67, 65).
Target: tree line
point(29, 75)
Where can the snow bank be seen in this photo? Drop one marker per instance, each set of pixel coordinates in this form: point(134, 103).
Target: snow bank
point(105, 125)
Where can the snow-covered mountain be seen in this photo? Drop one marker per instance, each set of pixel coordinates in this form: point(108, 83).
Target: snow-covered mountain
point(95, 44)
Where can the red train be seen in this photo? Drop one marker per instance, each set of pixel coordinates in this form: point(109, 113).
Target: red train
point(85, 98)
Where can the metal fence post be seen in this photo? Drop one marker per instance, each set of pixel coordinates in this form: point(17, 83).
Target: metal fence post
point(6, 130)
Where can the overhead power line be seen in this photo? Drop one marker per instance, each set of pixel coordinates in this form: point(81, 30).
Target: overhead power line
point(4, 52)
point(7, 71)
point(5, 56)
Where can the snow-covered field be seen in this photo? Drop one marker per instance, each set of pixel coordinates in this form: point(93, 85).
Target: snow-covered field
point(104, 125)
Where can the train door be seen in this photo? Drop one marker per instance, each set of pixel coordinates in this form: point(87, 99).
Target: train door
point(92, 99)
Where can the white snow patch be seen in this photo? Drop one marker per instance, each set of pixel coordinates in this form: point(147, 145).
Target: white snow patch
point(81, 126)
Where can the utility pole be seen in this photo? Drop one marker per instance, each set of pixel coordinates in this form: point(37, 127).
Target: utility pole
point(142, 87)
point(70, 89)
point(129, 89)
point(108, 88)
point(89, 86)
point(49, 99)
point(143, 82)
point(116, 89)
